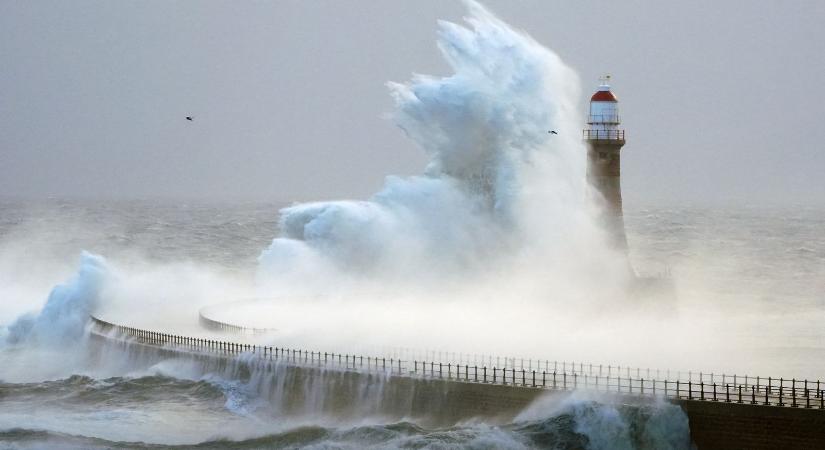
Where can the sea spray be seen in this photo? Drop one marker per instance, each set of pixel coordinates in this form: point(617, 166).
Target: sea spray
point(499, 191)
point(601, 421)
point(62, 319)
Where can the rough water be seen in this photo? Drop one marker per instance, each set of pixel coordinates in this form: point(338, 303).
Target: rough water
point(774, 256)
point(493, 248)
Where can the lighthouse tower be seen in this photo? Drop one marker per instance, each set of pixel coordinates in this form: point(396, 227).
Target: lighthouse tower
point(604, 141)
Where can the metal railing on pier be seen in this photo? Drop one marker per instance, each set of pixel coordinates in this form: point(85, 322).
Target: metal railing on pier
point(585, 369)
point(563, 376)
point(300, 357)
point(216, 325)
point(773, 392)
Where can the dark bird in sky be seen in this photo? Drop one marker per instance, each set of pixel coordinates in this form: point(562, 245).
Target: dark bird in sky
point(552, 132)
point(190, 118)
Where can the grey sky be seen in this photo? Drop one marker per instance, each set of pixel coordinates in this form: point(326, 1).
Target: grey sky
point(721, 99)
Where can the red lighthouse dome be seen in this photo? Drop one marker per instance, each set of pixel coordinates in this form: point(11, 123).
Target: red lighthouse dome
point(604, 108)
point(604, 94)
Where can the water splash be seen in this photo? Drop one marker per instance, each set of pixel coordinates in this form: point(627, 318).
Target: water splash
point(63, 318)
point(497, 183)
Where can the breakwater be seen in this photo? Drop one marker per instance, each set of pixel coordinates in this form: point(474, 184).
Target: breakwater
point(757, 412)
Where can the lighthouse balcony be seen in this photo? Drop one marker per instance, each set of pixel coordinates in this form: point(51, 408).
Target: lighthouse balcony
point(603, 135)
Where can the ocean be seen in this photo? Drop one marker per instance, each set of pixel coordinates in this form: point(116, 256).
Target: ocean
point(765, 267)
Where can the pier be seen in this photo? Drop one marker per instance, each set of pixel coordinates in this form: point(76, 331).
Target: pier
point(725, 411)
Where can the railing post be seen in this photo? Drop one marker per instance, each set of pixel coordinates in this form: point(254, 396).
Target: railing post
point(768, 391)
point(807, 395)
point(793, 398)
point(793, 393)
point(690, 389)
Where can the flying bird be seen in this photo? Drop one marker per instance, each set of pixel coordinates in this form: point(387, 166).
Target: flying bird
point(190, 118)
point(552, 132)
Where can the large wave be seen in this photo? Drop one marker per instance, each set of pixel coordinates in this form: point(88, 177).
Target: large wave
point(62, 319)
point(497, 183)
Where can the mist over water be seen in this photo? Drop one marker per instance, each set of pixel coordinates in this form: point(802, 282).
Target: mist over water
point(720, 269)
point(497, 230)
point(493, 249)
point(497, 183)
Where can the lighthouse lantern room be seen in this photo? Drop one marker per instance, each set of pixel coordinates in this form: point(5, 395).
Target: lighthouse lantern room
point(603, 119)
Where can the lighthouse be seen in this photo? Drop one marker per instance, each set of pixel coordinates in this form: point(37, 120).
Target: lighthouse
point(604, 141)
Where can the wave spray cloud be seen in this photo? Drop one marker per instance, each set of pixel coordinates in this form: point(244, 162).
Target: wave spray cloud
point(500, 194)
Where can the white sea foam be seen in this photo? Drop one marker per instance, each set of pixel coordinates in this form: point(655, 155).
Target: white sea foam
point(611, 423)
point(497, 184)
point(62, 319)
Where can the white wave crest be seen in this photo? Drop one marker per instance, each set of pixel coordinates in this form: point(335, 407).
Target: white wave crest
point(497, 184)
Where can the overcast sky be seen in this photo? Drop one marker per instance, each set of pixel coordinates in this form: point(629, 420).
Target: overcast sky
point(722, 100)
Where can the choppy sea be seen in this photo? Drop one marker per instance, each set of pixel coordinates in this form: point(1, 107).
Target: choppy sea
point(767, 258)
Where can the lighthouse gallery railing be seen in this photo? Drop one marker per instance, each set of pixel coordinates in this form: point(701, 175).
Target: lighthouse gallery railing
point(611, 135)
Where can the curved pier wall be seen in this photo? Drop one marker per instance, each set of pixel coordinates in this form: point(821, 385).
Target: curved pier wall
point(298, 390)
point(306, 390)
